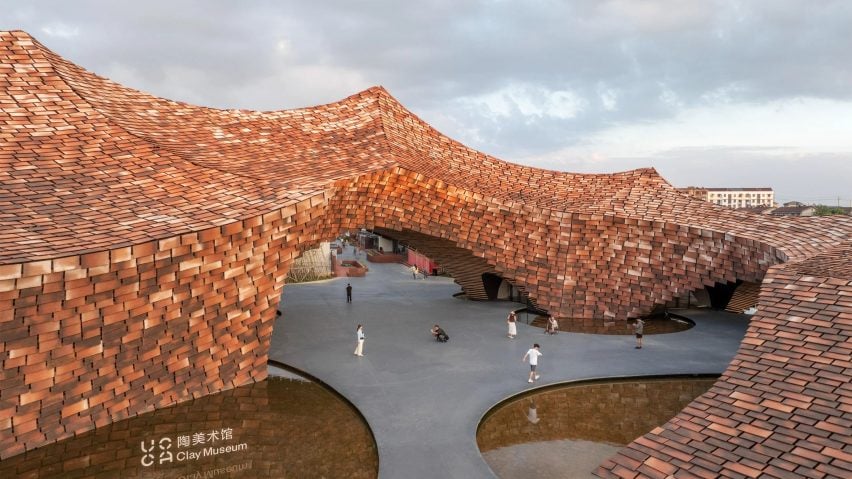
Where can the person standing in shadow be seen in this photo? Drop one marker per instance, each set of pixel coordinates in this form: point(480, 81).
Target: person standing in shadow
point(639, 328)
point(348, 293)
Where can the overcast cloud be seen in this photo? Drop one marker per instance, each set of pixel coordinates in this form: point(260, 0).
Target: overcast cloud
point(712, 93)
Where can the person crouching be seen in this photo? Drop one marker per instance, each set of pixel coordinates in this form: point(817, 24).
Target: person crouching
point(439, 334)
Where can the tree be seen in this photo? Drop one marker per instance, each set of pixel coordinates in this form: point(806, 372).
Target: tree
point(823, 210)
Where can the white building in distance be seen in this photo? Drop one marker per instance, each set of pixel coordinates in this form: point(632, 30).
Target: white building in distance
point(733, 197)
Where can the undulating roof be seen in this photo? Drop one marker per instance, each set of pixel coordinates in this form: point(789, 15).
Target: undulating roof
point(87, 164)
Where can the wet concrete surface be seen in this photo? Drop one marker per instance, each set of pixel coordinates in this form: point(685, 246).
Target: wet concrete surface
point(424, 399)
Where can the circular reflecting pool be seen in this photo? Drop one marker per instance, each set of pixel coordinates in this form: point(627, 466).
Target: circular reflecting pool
point(654, 324)
point(278, 428)
point(566, 431)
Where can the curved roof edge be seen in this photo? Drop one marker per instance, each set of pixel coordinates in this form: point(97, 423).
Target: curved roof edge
point(120, 161)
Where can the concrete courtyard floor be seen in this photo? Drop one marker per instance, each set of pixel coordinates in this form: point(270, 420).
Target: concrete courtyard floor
point(422, 399)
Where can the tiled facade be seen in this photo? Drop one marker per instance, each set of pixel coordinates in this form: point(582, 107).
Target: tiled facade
point(90, 339)
point(144, 242)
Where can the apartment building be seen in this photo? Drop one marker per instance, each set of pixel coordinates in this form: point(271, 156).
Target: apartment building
point(733, 197)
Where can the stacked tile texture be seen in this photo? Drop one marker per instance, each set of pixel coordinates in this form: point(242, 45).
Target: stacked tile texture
point(144, 242)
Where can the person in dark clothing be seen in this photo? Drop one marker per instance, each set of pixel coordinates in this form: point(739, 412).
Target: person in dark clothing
point(440, 335)
point(348, 293)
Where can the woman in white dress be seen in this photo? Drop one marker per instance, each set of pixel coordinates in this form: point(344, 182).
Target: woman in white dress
point(359, 349)
point(513, 327)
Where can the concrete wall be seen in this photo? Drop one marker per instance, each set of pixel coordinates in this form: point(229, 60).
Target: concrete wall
point(386, 244)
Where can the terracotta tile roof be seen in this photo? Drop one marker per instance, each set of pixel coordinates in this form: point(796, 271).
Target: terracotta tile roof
point(791, 210)
point(90, 164)
point(74, 181)
point(757, 209)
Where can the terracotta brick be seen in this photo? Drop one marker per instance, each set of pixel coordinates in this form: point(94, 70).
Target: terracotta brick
point(34, 268)
point(92, 260)
point(121, 254)
point(143, 249)
point(10, 272)
point(66, 263)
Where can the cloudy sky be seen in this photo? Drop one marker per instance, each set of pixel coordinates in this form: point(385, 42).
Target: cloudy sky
point(711, 93)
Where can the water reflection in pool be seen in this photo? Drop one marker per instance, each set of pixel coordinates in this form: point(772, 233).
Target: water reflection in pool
point(275, 428)
point(567, 431)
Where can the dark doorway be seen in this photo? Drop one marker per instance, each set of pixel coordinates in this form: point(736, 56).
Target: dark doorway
point(721, 293)
point(498, 288)
point(491, 283)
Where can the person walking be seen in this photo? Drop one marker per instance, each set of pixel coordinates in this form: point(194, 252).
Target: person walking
point(359, 349)
point(348, 293)
point(638, 328)
point(512, 321)
point(414, 271)
point(533, 354)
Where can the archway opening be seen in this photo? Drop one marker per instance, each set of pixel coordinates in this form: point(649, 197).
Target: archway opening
point(720, 293)
point(498, 288)
point(477, 278)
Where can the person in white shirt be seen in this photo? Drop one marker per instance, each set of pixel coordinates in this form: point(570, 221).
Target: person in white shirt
point(359, 350)
point(533, 354)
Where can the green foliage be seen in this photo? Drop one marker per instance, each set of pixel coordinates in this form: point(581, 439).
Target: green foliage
point(823, 210)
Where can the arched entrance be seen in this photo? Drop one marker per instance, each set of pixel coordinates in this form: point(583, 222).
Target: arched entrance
point(478, 279)
point(498, 288)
